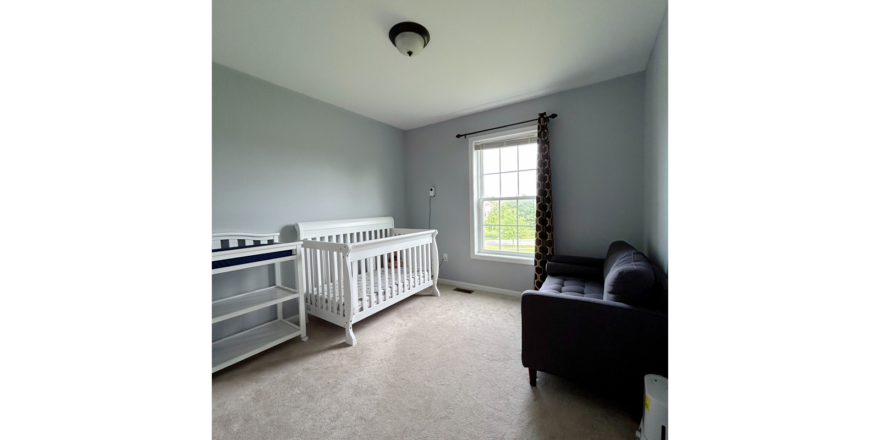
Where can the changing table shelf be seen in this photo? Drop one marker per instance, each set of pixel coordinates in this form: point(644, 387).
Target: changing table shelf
point(226, 352)
point(248, 302)
point(238, 251)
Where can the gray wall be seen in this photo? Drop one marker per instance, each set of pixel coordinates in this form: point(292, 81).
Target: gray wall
point(656, 150)
point(597, 154)
point(280, 158)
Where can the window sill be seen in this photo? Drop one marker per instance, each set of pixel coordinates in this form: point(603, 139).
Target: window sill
point(503, 258)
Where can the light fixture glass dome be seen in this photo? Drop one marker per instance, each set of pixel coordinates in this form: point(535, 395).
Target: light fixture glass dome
point(409, 38)
point(409, 43)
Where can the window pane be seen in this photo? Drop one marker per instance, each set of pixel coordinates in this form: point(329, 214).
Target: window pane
point(508, 158)
point(490, 213)
point(508, 238)
point(528, 156)
point(490, 237)
point(527, 210)
point(526, 239)
point(528, 183)
point(508, 185)
point(508, 212)
point(491, 186)
point(490, 161)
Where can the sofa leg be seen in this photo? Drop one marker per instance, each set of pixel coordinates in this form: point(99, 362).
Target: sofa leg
point(533, 376)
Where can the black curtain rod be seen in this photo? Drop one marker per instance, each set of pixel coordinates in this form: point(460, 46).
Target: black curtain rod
point(553, 116)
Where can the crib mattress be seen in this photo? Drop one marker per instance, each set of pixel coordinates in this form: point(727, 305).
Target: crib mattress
point(374, 292)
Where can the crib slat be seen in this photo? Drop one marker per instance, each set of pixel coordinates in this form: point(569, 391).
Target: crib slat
point(415, 266)
point(418, 279)
point(378, 280)
point(307, 254)
point(424, 263)
point(337, 297)
point(341, 281)
point(363, 281)
point(316, 268)
point(395, 270)
point(419, 250)
point(337, 275)
point(331, 279)
point(315, 296)
point(328, 279)
point(322, 267)
point(421, 263)
point(407, 270)
point(307, 275)
point(418, 256)
point(369, 282)
point(402, 256)
point(384, 269)
point(395, 275)
point(314, 254)
point(415, 258)
point(378, 287)
point(372, 288)
point(389, 264)
point(338, 282)
point(367, 301)
point(319, 297)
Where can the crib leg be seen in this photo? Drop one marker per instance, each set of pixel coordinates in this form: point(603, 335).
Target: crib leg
point(349, 336)
point(436, 290)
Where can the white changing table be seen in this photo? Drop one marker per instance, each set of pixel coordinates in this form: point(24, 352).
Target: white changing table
point(239, 346)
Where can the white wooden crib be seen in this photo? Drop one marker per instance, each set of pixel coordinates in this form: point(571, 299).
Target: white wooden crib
point(355, 268)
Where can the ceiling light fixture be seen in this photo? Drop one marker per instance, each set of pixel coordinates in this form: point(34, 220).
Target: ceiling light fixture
point(409, 38)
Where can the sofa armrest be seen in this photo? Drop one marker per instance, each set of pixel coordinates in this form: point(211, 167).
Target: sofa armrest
point(581, 261)
point(579, 267)
point(574, 270)
point(585, 338)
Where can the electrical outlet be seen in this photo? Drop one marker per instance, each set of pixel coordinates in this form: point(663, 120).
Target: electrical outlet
point(445, 257)
point(431, 191)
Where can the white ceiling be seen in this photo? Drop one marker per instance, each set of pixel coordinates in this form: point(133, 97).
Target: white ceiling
point(483, 53)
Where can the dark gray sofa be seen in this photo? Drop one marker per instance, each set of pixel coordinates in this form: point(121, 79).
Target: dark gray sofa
point(601, 321)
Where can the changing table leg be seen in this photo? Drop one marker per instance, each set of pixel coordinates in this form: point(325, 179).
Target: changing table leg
point(349, 336)
point(301, 288)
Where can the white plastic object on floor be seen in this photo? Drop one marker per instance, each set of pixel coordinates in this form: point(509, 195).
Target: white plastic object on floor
point(655, 417)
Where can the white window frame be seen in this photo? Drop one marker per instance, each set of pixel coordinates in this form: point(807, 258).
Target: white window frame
point(476, 229)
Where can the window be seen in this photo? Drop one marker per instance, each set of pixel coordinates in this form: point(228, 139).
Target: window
point(503, 190)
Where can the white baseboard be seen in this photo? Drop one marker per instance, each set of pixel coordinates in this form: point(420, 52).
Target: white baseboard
point(470, 286)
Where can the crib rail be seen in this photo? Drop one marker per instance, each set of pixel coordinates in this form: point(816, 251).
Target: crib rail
point(350, 276)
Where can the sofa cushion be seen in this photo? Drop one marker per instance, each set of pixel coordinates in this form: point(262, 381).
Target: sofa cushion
point(631, 279)
point(564, 285)
point(615, 250)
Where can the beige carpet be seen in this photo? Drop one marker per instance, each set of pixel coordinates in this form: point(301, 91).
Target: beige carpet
point(426, 368)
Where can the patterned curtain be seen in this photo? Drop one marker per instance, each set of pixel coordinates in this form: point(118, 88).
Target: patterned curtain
point(544, 228)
